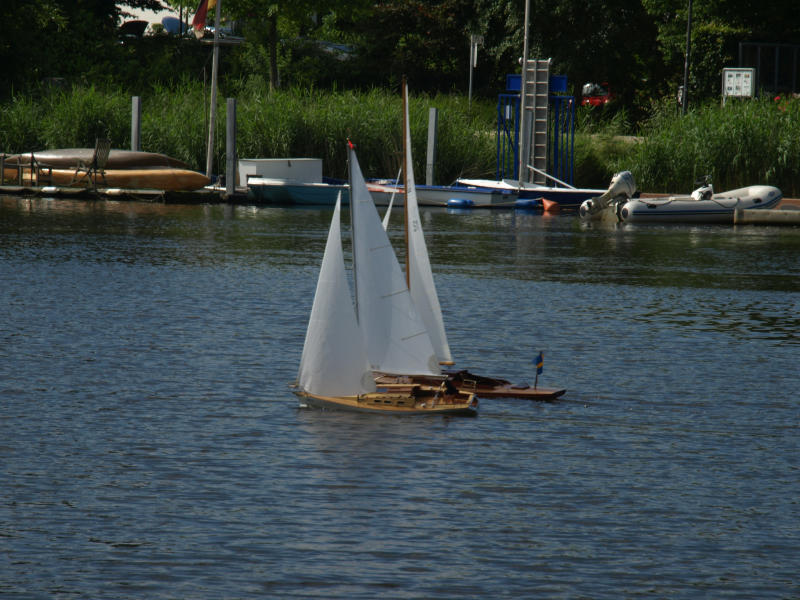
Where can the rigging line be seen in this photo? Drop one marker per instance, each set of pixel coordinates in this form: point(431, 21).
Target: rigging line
point(413, 335)
point(397, 293)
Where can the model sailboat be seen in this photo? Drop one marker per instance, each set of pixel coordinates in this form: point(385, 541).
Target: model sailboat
point(345, 343)
point(419, 278)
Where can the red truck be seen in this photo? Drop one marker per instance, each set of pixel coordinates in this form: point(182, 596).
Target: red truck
point(595, 94)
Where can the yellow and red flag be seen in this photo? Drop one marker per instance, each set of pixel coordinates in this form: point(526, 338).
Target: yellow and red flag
point(199, 21)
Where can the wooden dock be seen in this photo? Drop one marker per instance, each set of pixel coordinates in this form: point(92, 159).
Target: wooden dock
point(207, 195)
point(787, 213)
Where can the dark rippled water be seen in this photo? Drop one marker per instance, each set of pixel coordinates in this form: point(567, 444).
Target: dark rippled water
point(150, 448)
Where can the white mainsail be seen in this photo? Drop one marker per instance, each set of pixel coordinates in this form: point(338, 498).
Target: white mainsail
point(395, 335)
point(334, 360)
point(420, 275)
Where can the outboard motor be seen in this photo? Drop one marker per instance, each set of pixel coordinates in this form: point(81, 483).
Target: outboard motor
point(705, 191)
point(622, 188)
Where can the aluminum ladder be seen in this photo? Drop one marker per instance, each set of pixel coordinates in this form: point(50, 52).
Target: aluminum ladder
point(535, 88)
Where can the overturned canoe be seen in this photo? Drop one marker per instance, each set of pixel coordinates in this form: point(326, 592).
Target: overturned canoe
point(167, 179)
point(66, 158)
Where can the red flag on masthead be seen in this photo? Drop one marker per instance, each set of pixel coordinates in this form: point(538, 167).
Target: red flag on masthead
point(199, 21)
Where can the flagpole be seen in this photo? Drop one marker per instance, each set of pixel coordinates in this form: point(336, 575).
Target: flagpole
point(213, 111)
point(539, 367)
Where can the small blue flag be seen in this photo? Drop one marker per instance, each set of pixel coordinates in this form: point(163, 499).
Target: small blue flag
point(539, 364)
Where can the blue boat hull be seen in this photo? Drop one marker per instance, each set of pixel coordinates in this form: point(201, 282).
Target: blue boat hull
point(304, 194)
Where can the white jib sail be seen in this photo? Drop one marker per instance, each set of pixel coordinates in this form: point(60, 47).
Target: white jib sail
point(420, 275)
point(334, 360)
point(396, 338)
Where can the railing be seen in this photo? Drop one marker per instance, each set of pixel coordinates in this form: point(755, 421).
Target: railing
point(38, 173)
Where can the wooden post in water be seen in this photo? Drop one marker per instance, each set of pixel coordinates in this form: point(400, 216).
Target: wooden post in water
point(433, 123)
point(687, 61)
point(213, 111)
point(230, 148)
point(136, 122)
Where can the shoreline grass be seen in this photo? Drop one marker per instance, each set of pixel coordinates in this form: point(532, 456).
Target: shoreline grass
point(744, 143)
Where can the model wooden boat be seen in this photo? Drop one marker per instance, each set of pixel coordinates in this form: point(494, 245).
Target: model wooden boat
point(494, 387)
point(479, 385)
point(345, 343)
point(400, 399)
point(419, 280)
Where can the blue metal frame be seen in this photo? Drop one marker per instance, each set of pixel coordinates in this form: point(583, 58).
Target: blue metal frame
point(507, 136)
point(561, 151)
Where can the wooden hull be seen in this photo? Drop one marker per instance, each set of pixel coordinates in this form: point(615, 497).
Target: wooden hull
point(493, 387)
point(513, 391)
point(167, 179)
point(398, 400)
point(481, 386)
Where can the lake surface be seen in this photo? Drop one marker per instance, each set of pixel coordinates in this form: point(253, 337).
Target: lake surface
point(150, 447)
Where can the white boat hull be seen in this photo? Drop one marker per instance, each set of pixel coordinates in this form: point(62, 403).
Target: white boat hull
point(443, 195)
point(565, 197)
point(720, 208)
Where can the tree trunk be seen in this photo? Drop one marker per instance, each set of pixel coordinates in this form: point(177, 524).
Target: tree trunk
point(274, 81)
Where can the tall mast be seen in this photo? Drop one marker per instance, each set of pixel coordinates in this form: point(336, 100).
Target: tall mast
point(213, 111)
point(405, 172)
point(522, 167)
point(350, 151)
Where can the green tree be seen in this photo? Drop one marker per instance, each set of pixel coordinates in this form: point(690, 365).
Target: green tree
point(64, 39)
point(269, 23)
point(718, 26)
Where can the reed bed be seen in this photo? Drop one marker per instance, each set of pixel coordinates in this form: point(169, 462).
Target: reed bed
point(741, 144)
point(270, 124)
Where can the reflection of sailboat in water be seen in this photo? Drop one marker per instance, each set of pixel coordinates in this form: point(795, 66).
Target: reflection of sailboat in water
point(344, 346)
point(419, 279)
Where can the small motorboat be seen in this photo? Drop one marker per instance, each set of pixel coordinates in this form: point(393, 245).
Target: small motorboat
point(702, 206)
